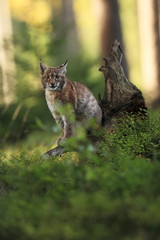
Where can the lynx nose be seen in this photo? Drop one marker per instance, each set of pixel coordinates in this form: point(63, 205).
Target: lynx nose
point(53, 85)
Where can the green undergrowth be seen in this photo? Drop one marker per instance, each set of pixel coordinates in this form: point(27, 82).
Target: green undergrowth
point(109, 193)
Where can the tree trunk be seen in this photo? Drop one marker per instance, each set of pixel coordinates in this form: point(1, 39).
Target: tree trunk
point(6, 55)
point(65, 35)
point(150, 47)
point(111, 28)
point(156, 102)
point(69, 27)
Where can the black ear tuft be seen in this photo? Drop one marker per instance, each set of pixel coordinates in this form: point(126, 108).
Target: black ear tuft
point(64, 64)
point(63, 67)
point(43, 67)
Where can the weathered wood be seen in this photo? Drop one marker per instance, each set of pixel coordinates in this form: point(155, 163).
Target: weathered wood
point(120, 95)
point(57, 151)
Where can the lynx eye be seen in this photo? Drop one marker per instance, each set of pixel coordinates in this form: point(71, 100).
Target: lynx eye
point(46, 78)
point(56, 76)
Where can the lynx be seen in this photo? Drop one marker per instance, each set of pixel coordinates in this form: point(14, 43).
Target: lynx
point(59, 91)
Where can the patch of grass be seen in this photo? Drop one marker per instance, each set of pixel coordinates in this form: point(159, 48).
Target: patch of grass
point(112, 193)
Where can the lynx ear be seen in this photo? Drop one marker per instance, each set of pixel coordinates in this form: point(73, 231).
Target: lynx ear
point(43, 67)
point(63, 67)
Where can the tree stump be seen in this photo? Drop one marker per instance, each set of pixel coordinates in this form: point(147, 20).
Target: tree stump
point(120, 95)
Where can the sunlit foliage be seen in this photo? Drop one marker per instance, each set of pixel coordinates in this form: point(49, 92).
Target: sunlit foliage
point(32, 12)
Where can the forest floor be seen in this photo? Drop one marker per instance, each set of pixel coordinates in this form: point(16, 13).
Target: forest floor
point(109, 193)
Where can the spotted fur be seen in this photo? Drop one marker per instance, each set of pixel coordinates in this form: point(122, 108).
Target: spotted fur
point(60, 91)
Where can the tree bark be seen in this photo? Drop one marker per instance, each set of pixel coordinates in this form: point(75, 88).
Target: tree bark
point(120, 95)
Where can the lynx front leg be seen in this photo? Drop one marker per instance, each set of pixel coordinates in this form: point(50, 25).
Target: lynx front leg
point(67, 130)
point(59, 122)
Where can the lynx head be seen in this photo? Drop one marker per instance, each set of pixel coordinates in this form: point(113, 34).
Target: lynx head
point(53, 78)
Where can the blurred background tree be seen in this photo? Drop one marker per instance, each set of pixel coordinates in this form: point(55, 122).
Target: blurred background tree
point(111, 28)
point(69, 28)
point(7, 80)
point(149, 31)
point(82, 32)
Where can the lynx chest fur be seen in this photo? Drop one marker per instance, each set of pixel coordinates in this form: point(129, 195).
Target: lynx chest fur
point(60, 91)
